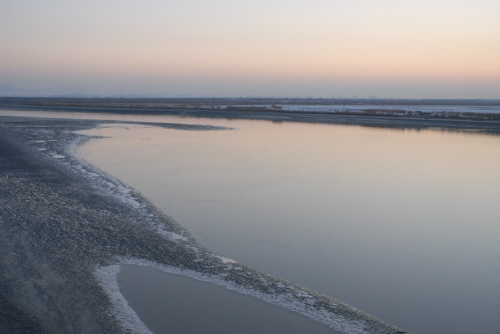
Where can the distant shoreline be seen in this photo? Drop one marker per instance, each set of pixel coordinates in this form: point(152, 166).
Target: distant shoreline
point(385, 115)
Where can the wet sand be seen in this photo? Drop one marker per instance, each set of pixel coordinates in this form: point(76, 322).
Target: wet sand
point(66, 226)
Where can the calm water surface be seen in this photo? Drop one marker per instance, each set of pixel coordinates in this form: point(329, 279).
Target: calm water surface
point(402, 224)
point(173, 304)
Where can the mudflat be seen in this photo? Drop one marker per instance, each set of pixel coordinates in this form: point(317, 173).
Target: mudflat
point(66, 228)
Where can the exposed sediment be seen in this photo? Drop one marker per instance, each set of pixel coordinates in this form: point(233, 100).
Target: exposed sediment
point(64, 224)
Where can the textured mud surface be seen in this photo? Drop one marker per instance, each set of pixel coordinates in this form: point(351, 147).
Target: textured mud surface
point(65, 227)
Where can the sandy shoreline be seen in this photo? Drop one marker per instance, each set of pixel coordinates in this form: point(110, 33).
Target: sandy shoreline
point(62, 220)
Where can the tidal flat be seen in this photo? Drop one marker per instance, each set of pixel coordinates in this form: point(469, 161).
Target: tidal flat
point(67, 227)
point(398, 222)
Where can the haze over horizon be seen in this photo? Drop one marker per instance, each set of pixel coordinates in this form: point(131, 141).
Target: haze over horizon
point(388, 48)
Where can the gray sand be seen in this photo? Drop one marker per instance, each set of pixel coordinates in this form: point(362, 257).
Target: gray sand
point(62, 220)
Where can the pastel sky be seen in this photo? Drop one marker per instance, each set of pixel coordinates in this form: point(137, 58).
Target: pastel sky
point(316, 48)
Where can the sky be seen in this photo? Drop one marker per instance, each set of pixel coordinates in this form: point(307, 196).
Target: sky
point(269, 48)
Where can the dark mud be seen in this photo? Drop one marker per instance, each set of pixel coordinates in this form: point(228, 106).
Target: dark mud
point(62, 222)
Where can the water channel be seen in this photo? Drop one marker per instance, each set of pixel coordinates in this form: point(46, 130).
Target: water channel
point(402, 224)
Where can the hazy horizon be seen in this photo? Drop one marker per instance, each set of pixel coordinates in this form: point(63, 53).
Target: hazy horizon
point(430, 49)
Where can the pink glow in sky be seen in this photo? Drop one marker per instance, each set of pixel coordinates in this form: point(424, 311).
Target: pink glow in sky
point(441, 48)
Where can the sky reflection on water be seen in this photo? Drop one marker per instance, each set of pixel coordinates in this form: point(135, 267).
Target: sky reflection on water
point(402, 224)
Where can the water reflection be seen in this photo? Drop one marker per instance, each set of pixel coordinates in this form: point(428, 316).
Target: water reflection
point(197, 116)
point(402, 224)
point(168, 303)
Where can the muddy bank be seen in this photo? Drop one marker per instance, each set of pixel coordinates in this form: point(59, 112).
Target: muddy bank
point(487, 123)
point(65, 226)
